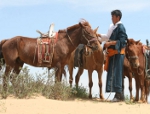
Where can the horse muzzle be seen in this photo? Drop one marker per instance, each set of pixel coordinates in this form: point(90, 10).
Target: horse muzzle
point(135, 65)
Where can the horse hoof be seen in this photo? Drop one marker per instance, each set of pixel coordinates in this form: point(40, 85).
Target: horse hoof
point(90, 96)
point(101, 97)
point(141, 101)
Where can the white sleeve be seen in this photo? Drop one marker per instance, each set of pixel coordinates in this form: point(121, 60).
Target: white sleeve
point(105, 37)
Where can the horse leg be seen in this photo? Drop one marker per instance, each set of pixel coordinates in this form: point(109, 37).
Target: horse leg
point(5, 81)
point(100, 83)
point(70, 67)
point(123, 86)
point(77, 77)
point(90, 83)
point(130, 85)
point(146, 90)
point(16, 71)
point(58, 72)
point(63, 72)
point(142, 99)
point(137, 90)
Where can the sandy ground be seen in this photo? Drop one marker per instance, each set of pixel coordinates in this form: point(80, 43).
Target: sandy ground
point(41, 105)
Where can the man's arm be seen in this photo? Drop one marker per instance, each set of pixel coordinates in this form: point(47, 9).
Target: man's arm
point(107, 44)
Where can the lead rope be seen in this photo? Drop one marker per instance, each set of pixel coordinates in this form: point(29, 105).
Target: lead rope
point(69, 37)
point(112, 78)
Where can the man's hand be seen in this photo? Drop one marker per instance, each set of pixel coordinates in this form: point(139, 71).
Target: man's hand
point(99, 35)
point(107, 44)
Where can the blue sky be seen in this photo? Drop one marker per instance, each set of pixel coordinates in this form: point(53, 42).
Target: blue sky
point(24, 17)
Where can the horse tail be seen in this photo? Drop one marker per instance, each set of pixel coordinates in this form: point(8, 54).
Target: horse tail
point(2, 61)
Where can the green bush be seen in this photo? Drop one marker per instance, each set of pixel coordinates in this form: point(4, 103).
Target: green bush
point(79, 92)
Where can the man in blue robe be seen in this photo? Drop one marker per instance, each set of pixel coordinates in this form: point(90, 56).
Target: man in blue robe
point(116, 37)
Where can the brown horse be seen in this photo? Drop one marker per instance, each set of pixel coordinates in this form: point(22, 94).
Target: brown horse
point(19, 50)
point(136, 57)
point(92, 60)
point(2, 61)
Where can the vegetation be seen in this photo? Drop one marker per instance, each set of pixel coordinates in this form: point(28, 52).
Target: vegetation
point(128, 101)
point(25, 85)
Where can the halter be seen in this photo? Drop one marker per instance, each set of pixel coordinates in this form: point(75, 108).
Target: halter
point(133, 57)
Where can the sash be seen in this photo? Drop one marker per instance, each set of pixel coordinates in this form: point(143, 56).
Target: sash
point(111, 52)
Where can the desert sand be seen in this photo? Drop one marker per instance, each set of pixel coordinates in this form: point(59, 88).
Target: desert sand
point(41, 105)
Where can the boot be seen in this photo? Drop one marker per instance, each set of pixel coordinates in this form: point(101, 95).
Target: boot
point(118, 97)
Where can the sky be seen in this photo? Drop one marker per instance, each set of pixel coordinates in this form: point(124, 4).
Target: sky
point(24, 17)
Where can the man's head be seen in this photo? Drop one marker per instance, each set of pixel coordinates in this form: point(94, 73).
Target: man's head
point(116, 16)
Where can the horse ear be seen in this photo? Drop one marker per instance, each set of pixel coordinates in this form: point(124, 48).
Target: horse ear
point(95, 30)
point(137, 42)
point(81, 24)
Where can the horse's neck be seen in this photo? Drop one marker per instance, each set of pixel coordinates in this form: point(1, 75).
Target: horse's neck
point(98, 55)
point(74, 37)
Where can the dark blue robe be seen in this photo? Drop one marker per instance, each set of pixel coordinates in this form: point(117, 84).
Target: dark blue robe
point(115, 67)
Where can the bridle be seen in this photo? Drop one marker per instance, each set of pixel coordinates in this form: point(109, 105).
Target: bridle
point(133, 57)
point(83, 35)
point(130, 57)
point(88, 41)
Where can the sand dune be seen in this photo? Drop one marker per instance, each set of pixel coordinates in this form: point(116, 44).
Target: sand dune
point(41, 105)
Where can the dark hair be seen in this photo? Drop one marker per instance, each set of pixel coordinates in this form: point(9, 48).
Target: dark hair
point(116, 13)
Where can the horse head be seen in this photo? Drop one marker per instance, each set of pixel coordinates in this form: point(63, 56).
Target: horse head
point(89, 36)
point(132, 52)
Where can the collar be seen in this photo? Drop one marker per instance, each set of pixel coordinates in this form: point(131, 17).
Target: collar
point(119, 22)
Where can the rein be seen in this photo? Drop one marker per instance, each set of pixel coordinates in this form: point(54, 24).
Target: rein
point(69, 37)
point(94, 39)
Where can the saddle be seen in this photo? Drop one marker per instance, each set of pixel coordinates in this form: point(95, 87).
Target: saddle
point(45, 45)
point(78, 58)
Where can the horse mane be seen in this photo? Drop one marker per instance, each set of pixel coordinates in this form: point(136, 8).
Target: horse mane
point(82, 21)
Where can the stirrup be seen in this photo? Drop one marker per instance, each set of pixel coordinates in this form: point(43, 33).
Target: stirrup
point(148, 74)
point(148, 77)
